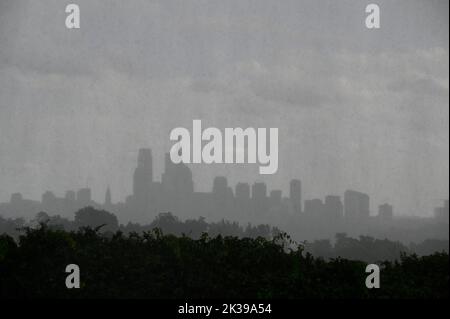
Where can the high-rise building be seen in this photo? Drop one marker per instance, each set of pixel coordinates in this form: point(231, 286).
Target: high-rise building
point(314, 208)
point(242, 191)
point(333, 207)
point(259, 191)
point(259, 198)
point(295, 195)
point(177, 188)
point(142, 184)
point(243, 204)
point(275, 198)
point(16, 198)
point(48, 199)
point(385, 212)
point(222, 196)
point(143, 175)
point(177, 178)
point(220, 185)
point(356, 205)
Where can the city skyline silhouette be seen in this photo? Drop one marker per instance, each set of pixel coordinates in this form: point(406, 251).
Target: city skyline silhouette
point(245, 203)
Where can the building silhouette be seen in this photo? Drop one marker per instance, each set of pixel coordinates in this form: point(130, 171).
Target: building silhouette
point(275, 198)
point(142, 181)
point(356, 205)
point(175, 193)
point(333, 207)
point(295, 194)
point(314, 208)
point(385, 212)
point(242, 191)
point(259, 199)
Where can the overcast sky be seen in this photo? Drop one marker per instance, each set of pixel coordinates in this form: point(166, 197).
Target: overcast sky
point(356, 108)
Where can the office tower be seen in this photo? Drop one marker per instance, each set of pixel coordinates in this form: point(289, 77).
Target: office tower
point(333, 207)
point(243, 204)
point(275, 198)
point(220, 185)
point(16, 198)
point(259, 191)
point(222, 196)
point(295, 195)
point(314, 208)
point(143, 176)
point(142, 184)
point(177, 178)
point(48, 199)
point(177, 188)
point(70, 196)
point(385, 212)
point(356, 205)
point(259, 198)
point(70, 202)
point(242, 191)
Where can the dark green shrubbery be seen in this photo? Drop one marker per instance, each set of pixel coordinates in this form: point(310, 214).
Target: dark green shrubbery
point(153, 265)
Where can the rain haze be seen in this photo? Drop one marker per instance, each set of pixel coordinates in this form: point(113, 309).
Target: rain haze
point(356, 108)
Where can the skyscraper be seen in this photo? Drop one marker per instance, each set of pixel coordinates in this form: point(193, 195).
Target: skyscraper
point(385, 212)
point(48, 199)
point(356, 205)
point(275, 198)
point(143, 176)
point(220, 185)
point(242, 191)
point(314, 208)
point(177, 178)
point(295, 195)
point(177, 188)
point(243, 207)
point(333, 207)
point(259, 198)
point(16, 198)
point(259, 191)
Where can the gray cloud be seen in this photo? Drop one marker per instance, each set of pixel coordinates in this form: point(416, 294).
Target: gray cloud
point(355, 108)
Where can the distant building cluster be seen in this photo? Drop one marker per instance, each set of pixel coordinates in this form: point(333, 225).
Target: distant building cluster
point(175, 193)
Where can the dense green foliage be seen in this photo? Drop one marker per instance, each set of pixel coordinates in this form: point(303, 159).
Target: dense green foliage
point(363, 248)
point(153, 265)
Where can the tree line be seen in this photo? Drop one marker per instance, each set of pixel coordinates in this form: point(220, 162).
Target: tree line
point(153, 265)
point(364, 248)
